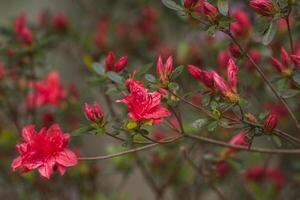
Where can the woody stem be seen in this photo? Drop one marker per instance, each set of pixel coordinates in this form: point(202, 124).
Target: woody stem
point(260, 71)
point(287, 19)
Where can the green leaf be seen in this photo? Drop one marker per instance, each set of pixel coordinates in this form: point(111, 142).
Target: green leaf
point(224, 124)
point(199, 123)
point(99, 68)
point(269, 34)
point(263, 115)
point(113, 76)
point(212, 126)
point(173, 86)
point(82, 130)
point(296, 78)
point(289, 93)
point(211, 30)
point(176, 72)
point(150, 78)
point(223, 7)
point(172, 5)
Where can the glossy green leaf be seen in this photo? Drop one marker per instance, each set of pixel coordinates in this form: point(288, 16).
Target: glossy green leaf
point(115, 77)
point(269, 34)
point(223, 7)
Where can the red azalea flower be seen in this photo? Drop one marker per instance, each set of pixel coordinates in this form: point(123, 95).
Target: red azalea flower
point(264, 7)
point(44, 150)
point(22, 31)
point(164, 70)
point(296, 60)
point(101, 32)
point(242, 26)
point(238, 139)
point(144, 105)
point(112, 65)
point(60, 22)
point(47, 92)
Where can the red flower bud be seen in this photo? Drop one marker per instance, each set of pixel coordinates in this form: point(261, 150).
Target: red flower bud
point(282, 67)
point(22, 31)
point(205, 77)
point(94, 113)
point(232, 74)
point(112, 65)
point(264, 7)
point(210, 11)
point(270, 122)
point(164, 70)
point(296, 60)
point(98, 111)
point(89, 113)
point(242, 26)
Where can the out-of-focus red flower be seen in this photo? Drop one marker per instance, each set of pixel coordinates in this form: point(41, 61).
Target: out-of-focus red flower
point(2, 70)
point(47, 92)
point(60, 22)
point(276, 109)
point(158, 135)
point(44, 150)
point(112, 65)
point(259, 174)
point(283, 67)
point(264, 7)
point(146, 23)
point(101, 32)
point(296, 60)
point(203, 76)
point(228, 88)
point(242, 26)
point(94, 113)
point(256, 57)
point(47, 119)
point(164, 70)
point(270, 122)
point(144, 106)
point(234, 50)
point(222, 167)
point(73, 91)
point(223, 58)
point(22, 31)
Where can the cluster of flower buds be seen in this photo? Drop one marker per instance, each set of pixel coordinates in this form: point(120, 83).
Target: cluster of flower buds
point(202, 7)
point(22, 31)
point(112, 65)
point(283, 67)
point(214, 81)
point(164, 70)
point(93, 113)
point(270, 122)
point(296, 60)
point(264, 7)
point(242, 26)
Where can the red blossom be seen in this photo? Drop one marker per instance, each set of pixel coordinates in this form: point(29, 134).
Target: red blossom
point(296, 60)
point(112, 65)
point(47, 92)
point(44, 150)
point(164, 70)
point(60, 22)
point(143, 105)
point(22, 31)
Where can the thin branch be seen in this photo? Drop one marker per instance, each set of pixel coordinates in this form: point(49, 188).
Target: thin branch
point(287, 19)
point(262, 74)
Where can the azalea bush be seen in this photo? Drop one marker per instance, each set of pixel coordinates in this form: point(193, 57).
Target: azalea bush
point(202, 97)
